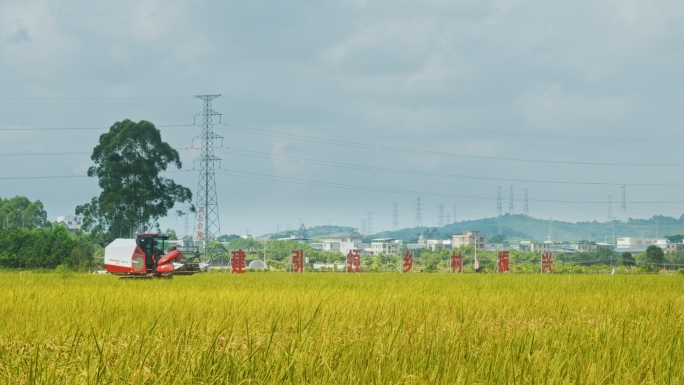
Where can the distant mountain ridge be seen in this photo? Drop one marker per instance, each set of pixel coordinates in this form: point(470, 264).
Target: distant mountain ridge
point(525, 227)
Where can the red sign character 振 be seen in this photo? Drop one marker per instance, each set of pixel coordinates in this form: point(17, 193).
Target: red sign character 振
point(298, 261)
point(237, 262)
point(408, 262)
point(503, 261)
point(547, 263)
point(456, 262)
point(354, 261)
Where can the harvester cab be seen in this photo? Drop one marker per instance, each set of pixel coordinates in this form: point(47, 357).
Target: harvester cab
point(147, 256)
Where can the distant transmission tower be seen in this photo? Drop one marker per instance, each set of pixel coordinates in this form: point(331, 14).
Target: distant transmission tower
point(454, 213)
point(363, 226)
point(610, 209)
point(369, 222)
point(208, 226)
point(624, 203)
point(551, 229)
point(419, 216)
point(510, 202)
point(395, 217)
point(440, 215)
point(186, 226)
point(498, 206)
point(527, 207)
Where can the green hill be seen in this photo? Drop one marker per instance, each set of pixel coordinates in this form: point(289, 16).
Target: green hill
point(525, 227)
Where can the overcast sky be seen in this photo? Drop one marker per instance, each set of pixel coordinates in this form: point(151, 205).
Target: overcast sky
point(525, 89)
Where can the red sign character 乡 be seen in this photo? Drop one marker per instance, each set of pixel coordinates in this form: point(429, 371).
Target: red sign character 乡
point(237, 262)
point(408, 262)
point(456, 262)
point(298, 261)
point(503, 261)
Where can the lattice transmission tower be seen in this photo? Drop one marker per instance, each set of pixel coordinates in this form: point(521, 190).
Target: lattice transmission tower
point(526, 210)
point(395, 216)
point(419, 215)
point(510, 202)
point(498, 207)
point(624, 203)
point(207, 218)
point(440, 215)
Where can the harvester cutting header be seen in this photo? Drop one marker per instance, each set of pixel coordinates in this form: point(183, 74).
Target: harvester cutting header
point(144, 257)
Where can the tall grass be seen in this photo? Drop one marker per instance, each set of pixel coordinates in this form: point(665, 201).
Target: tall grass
point(337, 328)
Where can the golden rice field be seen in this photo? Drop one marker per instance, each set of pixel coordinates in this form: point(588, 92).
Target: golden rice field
point(342, 329)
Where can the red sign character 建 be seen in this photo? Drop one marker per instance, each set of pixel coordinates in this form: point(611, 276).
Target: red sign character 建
point(237, 262)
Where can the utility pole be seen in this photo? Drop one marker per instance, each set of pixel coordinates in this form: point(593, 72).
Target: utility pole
point(440, 215)
point(527, 207)
point(208, 226)
point(510, 202)
point(395, 216)
point(624, 204)
point(419, 215)
point(498, 206)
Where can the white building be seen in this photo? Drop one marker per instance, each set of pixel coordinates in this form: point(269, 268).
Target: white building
point(327, 245)
point(386, 246)
point(71, 222)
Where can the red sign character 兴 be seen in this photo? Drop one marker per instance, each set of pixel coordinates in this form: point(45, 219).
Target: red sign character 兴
point(408, 262)
point(547, 263)
point(503, 261)
point(237, 262)
point(456, 262)
point(354, 261)
point(298, 261)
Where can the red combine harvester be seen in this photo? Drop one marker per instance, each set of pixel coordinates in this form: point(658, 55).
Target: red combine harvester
point(144, 257)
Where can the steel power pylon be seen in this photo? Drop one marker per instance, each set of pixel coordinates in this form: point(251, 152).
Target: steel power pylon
point(419, 215)
point(498, 207)
point(526, 210)
point(510, 202)
point(208, 226)
point(440, 215)
point(395, 217)
point(624, 203)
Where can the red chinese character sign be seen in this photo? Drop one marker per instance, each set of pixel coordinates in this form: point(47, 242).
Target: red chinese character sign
point(547, 263)
point(353, 261)
point(298, 261)
point(200, 222)
point(503, 261)
point(408, 262)
point(237, 262)
point(456, 262)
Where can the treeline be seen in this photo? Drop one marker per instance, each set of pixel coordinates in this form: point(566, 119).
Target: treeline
point(46, 248)
point(29, 241)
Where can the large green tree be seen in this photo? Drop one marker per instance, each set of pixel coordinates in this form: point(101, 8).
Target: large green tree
point(20, 213)
point(655, 255)
point(128, 162)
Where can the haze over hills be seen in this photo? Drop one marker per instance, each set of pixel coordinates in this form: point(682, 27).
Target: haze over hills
point(525, 227)
point(520, 226)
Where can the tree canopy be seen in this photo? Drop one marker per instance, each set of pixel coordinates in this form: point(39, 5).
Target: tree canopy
point(128, 162)
point(20, 213)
